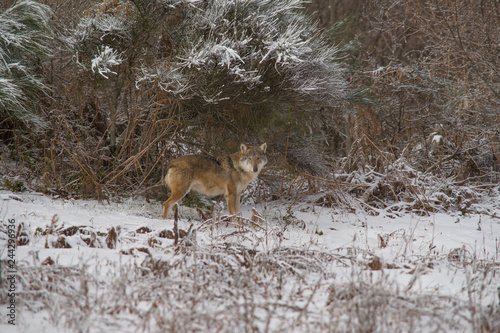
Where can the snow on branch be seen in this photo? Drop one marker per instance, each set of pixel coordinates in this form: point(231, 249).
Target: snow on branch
point(24, 27)
point(25, 33)
point(100, 27)
point(288, 47)
point(105, 59)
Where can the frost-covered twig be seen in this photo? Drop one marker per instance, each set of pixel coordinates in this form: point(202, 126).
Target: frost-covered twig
point(105, 60)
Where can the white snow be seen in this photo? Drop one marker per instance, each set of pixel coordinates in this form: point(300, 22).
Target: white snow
point(308, 268)
point(106, 58)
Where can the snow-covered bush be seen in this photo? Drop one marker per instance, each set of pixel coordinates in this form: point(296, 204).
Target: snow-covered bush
point(99, 39)
point(25, 37)
point(246, 51)
point(249, 51)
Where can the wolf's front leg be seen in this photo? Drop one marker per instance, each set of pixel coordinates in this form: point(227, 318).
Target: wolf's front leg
point(233, 201)
point(230, 199)
point(237, 204)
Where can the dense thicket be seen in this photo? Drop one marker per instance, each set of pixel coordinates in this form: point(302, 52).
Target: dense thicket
point(96, 96)
point(431, 69)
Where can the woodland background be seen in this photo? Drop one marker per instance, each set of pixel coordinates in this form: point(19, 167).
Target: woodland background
point(97, 96)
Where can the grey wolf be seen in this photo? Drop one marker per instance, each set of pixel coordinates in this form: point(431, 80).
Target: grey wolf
point(213, 176)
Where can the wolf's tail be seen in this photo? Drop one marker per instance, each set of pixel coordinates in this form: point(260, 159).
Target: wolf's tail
point(166, 178)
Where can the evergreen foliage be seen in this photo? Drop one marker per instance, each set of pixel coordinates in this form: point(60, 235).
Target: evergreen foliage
point(249, 51)
point(25, 37)
point(245, 51)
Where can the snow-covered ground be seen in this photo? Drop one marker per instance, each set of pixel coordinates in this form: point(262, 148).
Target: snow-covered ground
point(92, 267)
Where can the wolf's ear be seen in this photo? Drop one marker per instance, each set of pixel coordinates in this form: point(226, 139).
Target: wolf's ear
point(243, 148)
point(263, 147)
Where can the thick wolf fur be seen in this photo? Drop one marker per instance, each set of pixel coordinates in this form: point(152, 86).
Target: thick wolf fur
point(212, 176)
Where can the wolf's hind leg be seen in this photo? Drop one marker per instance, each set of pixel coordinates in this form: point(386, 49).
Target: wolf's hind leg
point(174, 198)
point(179, 186)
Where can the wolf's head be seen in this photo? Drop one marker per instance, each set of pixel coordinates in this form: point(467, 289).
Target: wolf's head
point(253, 158)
